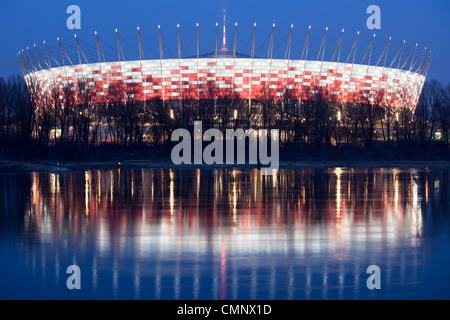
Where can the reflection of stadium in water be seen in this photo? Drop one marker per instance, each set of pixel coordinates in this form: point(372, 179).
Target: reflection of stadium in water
point(232, 233)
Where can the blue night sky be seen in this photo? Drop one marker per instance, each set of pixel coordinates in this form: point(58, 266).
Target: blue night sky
point(23, 23)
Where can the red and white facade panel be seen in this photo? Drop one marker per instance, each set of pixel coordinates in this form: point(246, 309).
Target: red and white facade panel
point(243, 78)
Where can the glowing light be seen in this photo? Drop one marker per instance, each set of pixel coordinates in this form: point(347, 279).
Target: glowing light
point(99, 186)
point(87, 188)
point(172, 196)
point(53, 183)
point(338, 172)
point(111, 186)
point(396, 188)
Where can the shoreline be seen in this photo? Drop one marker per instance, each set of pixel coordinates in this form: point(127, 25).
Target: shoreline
point(47, 166)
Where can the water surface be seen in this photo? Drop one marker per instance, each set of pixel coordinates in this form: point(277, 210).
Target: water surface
point(225, 234)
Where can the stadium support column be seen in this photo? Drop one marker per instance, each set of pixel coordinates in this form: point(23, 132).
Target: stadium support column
point(119, 51)
point(179, 66)
point(31, 69)
point(385, 54)
point(224, 48)
point(305, 50)
point(50, 86)
point(369, 50)
point(34, 59)
point(25, 65)
point(269, 56)
point(215, 74)
point(64, 51)
point(28, 63)
point(100, 50)
point(422, 66)
point(252, 56)
point(51, 54)
point(61, 50)
point(352, 50)
point(418, 59)
point(422, 60)
point(20, 65)
point(338, 51)
point(79, 49)
point(141, 56)
point(39, 55)
point(394, 90)
point(425, 75)
point(322, 49)
point(23, 70)
point(26, 69)
point(407, 101)
point(48, 57)
point(198, 56)
point(161, 57)
point(288, 55)
point(400, 52)
point(234, 59)
point(412, 64)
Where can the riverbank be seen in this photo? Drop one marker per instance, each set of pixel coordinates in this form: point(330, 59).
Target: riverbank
point(55, 167)
point(60, 158)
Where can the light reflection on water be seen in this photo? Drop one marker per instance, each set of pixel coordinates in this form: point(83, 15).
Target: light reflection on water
point(225, 233)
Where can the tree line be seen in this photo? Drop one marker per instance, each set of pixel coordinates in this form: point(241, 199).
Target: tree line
point(77, 118)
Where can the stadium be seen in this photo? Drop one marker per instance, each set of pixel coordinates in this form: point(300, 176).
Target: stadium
point(227, 74)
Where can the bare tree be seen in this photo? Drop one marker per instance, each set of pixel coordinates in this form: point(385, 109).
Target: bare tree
point(443, 114)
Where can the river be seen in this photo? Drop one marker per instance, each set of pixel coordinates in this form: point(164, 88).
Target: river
point(226, 234)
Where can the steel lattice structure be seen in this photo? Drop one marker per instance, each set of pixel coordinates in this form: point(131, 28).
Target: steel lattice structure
point(226, 74)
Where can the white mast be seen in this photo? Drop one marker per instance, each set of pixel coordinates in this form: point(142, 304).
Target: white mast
point(224, 48)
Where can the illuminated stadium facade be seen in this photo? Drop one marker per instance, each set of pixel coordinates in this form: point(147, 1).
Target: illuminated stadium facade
point(228, 74)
